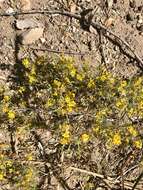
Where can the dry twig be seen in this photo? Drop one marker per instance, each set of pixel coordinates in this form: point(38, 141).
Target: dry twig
point(105, 31)
point(110, 181)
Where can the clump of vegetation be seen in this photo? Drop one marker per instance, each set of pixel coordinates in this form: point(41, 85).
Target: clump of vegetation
point(77, 104)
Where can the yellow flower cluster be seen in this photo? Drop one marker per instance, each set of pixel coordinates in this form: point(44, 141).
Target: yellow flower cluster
point(116, 139)
point(66, 136)
point(85, 138)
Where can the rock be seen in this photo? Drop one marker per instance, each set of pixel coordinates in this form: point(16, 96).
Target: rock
point(132, 3)
point(140, 28)
point(25, 5)
point(140, 19)
point(27, 23)
point(42, 40)
point(140, 8)
point(10, 10)
point(130, 16)
point(109, 3)
point(31, 35)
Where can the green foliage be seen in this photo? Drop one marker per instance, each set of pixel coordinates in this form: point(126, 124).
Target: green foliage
point(78, 104)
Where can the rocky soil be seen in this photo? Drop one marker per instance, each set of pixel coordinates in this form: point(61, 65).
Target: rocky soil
point(39, 34)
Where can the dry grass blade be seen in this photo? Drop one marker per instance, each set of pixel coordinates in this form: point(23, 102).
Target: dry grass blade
point(108, 180)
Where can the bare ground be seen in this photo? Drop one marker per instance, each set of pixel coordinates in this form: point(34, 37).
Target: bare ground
point(65, 34)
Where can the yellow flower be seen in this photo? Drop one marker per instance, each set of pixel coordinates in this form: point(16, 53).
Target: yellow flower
point(5, 108)
point(140, 104)
point(123, 83)
point(26, 63)
point(138, 144)
point(91, 83)
point(132, 131)
point(131, 112)
point(96, 129)
point(6, 98)
point(138, 82)
point(116, 139)
point(80, 77)
point(64, 141)
point(85, 138)
point(121, 103)
point(70, 102)
point(1, 176)
point(66, 134)
point(21, 89)
point(73, 72)
point(11, 115)
point(111, 81)
point(103, 77)
point(33, 70)
point(57, 83)
point(50, 102)
point(64, 127)
point(67, 80)
point(29, 157)
point(32, 79)
point(28, 175)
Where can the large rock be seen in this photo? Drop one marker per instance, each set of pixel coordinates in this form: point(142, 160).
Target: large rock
point(27, 23)
point(31, 35)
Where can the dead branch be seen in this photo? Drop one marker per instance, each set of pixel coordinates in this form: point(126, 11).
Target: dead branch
point(108, 180)
point(59, 52)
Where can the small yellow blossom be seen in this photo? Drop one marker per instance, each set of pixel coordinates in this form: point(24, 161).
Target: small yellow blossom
point(80, 77)
point(64, 141)
point(91, 83)
point(70, 103)
point(21, 89)
point(103, 78)
point(11, 115)
point(85, 138)
point(140, 104)
point(124, 83)
point(5, 108)
point(132, 131)
point(6, 98)
point(57, 83)
point(96, 129)
point(138, 144)
point(73, 72)
point(138, 82)
point(33, 70)
point(32, 79)
point(28, 175)
point(50, 102)
point(121, 103)
point(131, 112)
point(116, 139)
point(66, 134)
point(29, 157)
point(26, 63)
point(1, 176)
point(67, 80)
point(111, 81)
point(64, 127)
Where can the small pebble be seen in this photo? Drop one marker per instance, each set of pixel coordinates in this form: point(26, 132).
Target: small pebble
point(32, 35)
point(140, 28)
point(132, 3)
point(27, 23)
point(10, 10)
point(25, 5)
point(129, 17)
